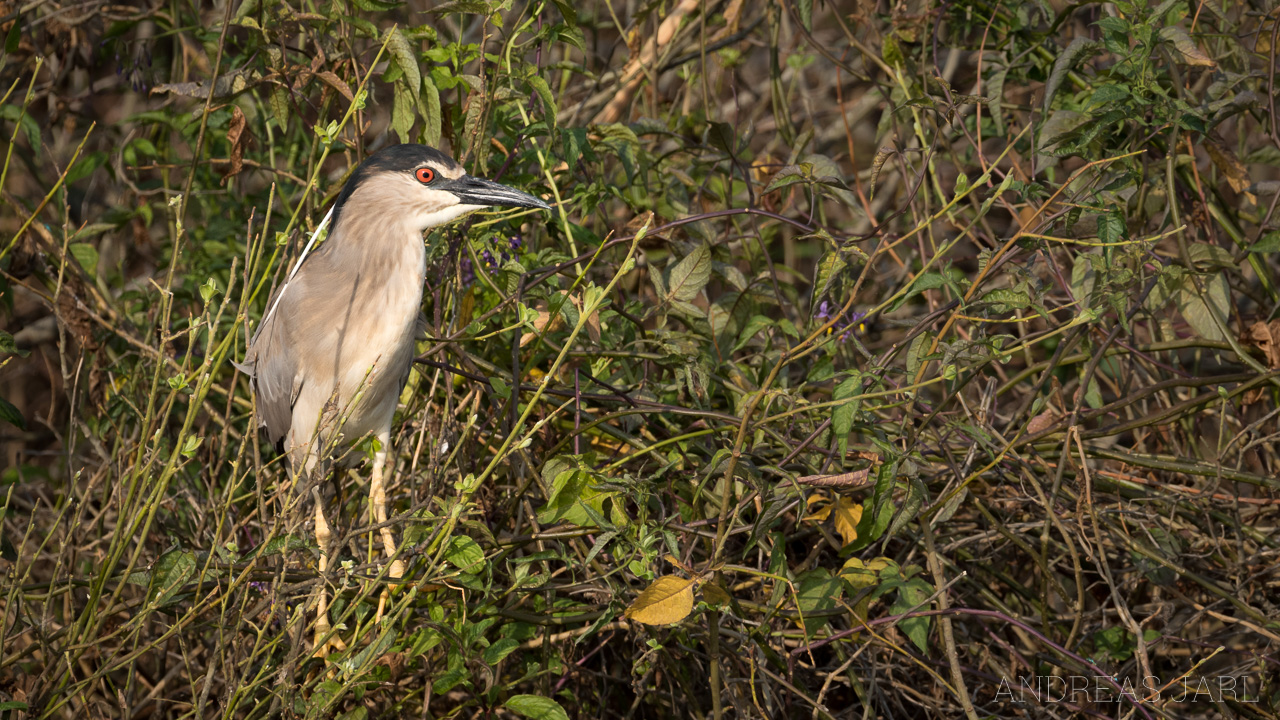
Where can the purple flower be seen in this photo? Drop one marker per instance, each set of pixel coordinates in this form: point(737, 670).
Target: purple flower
point(847, 327)
point(466, 272)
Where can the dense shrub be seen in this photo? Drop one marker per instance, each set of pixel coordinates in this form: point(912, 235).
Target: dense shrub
point(877, 359)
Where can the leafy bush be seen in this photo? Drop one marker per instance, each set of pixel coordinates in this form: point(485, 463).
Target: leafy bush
point(874, 358)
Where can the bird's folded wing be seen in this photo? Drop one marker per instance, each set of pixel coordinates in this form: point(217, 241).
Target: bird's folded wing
point(271, 362)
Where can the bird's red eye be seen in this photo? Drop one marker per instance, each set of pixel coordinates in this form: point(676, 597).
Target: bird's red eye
point(426, 175)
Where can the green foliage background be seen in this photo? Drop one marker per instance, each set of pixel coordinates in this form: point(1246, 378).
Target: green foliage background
point(932, 342)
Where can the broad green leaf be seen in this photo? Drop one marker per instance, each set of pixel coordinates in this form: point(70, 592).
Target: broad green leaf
point(543, 90)
point(1108, 94)
point(1111, 227)
point(465, 554)
point(842, 416)
point(817, 591)
point(169, 574)
point(829, 268)
point(1200, 312)
point(1268, 243)
point(912, 593)
point(402, 50)
point(402, 108)
point(667, 601)
point(1186, 47)
point(535, 707)
point(1081, 47)
point(87, 255)
point(690, 275)
point(499, 650)
point(279, 101)
point(916, 354)
point(429, 109)
point(12, 415)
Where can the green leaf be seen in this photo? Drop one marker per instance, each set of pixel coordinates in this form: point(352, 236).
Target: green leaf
point(467, 7)
point(1109, 94)
point(429, 109)
point(357, 713)
point(1081, 47)
point(169, 574)
point(191, 445)
point(804, 8)
point(1268, 243)
point(279, 100)
point(1111, 227)
point(842, 416)
point(535, 707)
point(87, 255)
point(912, 593)
point(400, 48)
point(1200, 312)
point(402, 108)
point(465, 554)
point(829, 268)
point(817, 591)
point(375, 5)
point(11, 43)
point(690, 275)
point(916, 354)
point(499, 650)
point(1207, 256)
point(751, 329)
point(7, 345)
point(543, 90)
point(1190, 53)
point(85, 166)
point(12, 415)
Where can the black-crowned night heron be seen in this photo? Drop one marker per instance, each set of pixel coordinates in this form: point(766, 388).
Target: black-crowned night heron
point(331, 356)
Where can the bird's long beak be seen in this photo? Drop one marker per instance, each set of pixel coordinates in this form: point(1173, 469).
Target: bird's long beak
point(478, 191)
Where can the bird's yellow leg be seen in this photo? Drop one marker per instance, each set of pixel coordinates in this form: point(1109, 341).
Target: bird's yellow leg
point(378, 499)
point(323, 537)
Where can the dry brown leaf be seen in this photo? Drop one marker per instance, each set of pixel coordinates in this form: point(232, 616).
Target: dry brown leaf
point(337, 83)
point(593, 322)
point(667, 601)
point(849, 479)
point(238, 137)
point(1042, 422)
point(1266, 337)
point(542, 323)
point(1230, 166)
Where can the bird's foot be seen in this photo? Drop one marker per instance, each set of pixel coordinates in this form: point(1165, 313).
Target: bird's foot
point(322, 646)
point(396, 572)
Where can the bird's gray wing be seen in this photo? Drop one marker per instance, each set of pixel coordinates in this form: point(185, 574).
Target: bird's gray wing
point(272, 364)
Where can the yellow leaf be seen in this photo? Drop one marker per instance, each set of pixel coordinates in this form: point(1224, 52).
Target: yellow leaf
point(713, 594)
point(668, 600)
point(848, 515)
point(860, 573)
point(822, 514)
